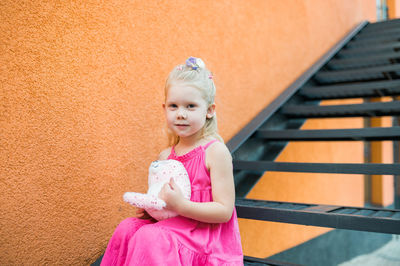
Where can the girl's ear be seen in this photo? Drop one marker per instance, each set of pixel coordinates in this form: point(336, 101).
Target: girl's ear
point(211, 111)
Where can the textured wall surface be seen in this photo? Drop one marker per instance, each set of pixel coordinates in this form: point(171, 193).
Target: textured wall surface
point(80, 105)
point(393, 8)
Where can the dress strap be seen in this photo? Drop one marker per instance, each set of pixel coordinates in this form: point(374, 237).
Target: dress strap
point(208, 144)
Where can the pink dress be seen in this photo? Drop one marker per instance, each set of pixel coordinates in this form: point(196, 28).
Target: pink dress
point(178, 240)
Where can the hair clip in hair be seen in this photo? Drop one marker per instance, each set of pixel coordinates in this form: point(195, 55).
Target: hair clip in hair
point(191, 62)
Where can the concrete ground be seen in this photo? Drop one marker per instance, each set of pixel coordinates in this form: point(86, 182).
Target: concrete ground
point(387, 255)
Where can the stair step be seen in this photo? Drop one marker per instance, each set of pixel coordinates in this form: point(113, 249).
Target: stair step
point(348, 110)
point(363, 42)
point(257, 261)
point(365, 35)
point(365, 134)
point(340, 217)
point(376, 49)
point(371, 47)
point(365, 61)
point(364, 89)
point(382, 25)
point(331, 168)
point(365, 73)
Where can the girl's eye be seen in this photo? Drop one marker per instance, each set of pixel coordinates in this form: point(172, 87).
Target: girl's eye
point(190, 106)
point(172, 105)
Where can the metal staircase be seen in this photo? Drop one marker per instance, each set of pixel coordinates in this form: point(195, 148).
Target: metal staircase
point(364, 64)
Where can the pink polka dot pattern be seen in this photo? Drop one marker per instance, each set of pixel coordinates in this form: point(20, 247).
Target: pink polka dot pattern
point(160, 173)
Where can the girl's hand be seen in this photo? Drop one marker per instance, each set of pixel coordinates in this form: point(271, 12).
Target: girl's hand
point(142, 214)
point(172, 195)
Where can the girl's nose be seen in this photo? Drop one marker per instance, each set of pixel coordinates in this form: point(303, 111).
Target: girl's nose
point(181, 114)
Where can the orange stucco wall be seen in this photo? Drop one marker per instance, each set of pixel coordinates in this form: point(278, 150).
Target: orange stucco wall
point(81, 118)
point(393, 8)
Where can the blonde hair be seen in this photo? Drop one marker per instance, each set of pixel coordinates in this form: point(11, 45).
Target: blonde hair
point(195, 74)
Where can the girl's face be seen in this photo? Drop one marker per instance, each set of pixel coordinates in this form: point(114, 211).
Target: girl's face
point(186, 110)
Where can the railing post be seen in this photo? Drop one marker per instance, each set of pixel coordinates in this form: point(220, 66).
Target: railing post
point(396, 156)
point(367, 159)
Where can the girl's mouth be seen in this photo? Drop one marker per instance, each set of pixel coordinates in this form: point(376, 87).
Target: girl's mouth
point(181, 125)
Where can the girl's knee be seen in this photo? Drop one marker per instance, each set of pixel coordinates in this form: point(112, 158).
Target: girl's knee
point(127, 223)
point(148, 233)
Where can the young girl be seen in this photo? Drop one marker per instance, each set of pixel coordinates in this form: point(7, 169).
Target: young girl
point(206, 231)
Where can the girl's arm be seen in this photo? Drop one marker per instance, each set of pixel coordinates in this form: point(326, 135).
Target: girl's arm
point(220, 209)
